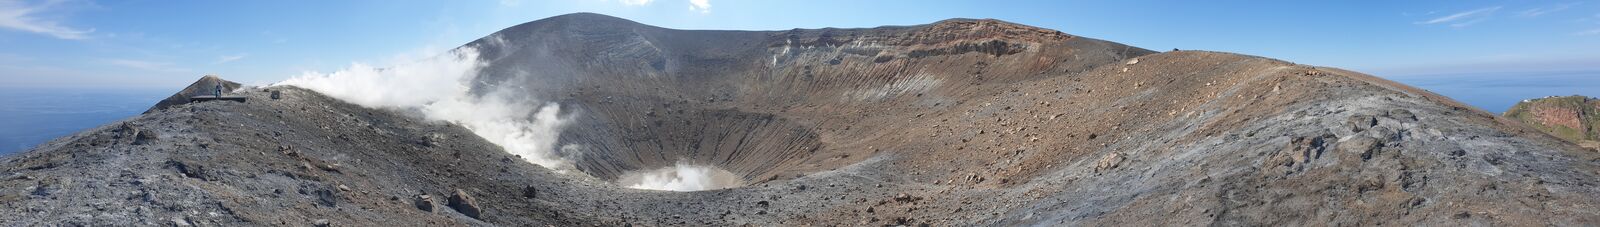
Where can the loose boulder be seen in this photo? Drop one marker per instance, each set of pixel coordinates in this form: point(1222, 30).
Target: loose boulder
point(426, 203)
point(464, 204)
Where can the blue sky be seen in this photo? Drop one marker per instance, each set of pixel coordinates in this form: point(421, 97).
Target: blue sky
point(167, 44)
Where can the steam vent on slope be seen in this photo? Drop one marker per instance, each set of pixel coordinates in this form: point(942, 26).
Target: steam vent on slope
point(586, 119)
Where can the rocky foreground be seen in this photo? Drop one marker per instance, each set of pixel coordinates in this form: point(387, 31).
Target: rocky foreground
point(960, 122)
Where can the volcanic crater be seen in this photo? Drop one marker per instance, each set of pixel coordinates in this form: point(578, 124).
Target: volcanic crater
point(959, 122)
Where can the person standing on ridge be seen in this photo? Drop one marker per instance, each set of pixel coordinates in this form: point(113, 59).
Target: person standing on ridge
point(219, 90)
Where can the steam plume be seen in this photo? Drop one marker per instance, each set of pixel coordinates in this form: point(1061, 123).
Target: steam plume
point(681, 177)
point(439, 88)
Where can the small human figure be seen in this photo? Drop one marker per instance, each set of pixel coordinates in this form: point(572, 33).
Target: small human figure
point(219, 90)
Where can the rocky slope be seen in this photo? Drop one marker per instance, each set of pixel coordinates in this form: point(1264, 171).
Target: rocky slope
point(959, 122)
point(1572, 118)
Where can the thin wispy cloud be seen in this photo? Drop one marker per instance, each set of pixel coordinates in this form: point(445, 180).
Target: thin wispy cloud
point(1588, 32)
point(1535, 12)
point(1595, 19)
point(8, 58)
point(636, 2)
point(1469, 23)
point(702, 6)
point(17, 15)
point(230, 58)
point(145, 65)
point(274, 36)
point(1463, 19)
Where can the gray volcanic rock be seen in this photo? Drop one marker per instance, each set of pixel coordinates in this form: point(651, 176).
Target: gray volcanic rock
point(426, 203)
point(957, 123)
point(277, 162)
point(464, 203)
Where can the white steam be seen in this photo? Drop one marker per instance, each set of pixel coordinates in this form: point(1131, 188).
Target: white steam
point(681, 177)
point(439, 88)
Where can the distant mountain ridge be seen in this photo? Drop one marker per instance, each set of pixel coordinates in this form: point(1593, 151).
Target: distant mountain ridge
point(1573, 118)
point(207, 85)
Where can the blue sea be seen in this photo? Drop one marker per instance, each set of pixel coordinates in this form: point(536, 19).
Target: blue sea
point(30, 116)
point(1497, 92)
